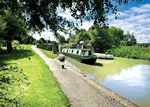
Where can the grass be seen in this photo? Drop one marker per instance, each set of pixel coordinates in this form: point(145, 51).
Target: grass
point(48, 53)
point(130, 52)
point(43, 90)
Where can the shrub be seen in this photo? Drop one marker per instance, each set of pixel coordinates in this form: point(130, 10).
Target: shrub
point(130, 52)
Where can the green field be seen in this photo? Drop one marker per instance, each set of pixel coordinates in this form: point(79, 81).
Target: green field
point(38, 87)
point(130, 52)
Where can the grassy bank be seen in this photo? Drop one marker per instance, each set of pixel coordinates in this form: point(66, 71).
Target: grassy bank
point(130, 52)
point(41, 90)
point(48, 53)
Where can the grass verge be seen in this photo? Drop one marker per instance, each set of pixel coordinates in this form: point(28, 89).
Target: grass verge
point(43, 90)
point(48, 53)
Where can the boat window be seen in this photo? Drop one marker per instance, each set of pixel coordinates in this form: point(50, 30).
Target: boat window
point(77, 51)
point(90, 53)
point(72, 51)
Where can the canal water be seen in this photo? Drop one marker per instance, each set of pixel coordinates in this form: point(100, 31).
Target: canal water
point(129, 78)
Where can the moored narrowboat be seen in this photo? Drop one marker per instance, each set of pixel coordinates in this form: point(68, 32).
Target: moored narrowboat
point(82, 55)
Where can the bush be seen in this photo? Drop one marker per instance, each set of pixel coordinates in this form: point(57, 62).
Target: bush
point(130, 52)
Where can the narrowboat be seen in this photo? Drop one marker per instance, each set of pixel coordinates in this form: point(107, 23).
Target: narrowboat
point(82, 55)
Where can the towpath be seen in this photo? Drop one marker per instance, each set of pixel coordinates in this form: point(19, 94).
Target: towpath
point(79, 91)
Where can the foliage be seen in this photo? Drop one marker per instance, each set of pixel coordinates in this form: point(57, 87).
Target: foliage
point(130, 52)
point(26, 39)
point(37, 10)
point(129, 39)
point(42, 40)
point(48, 41)
point(101, 39)
point(15, 27)
point(3, 42)
point(68, 39)
point(81, 34)
point(117, 34)
point(62, 39)
point(2, 24)
point(53, 42)
point(72, 39)
point(12, 79)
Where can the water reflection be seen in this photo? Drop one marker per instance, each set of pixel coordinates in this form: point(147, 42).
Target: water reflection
point(132, 83)
point(129, 78)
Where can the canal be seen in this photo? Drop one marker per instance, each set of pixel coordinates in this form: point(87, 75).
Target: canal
point(129, 78)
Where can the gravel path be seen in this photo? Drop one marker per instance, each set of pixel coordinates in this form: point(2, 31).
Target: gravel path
point(79, 91)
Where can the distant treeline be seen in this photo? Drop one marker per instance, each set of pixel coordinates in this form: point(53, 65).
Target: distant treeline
point(103, 38)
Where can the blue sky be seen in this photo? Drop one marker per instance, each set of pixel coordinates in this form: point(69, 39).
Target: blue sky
point(134, 17)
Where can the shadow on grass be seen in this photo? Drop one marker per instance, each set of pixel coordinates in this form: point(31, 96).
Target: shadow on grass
point(15, 55)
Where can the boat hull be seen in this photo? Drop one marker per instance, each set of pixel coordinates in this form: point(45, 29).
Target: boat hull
point(82, 60)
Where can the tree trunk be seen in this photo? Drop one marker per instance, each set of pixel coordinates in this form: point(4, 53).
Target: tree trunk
point(9, 46)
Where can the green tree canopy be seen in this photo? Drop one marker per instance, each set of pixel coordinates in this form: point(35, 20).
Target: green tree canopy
point(129, 39)
point(117, 34)
point(15, 27)
point(101, 39)
point(41, 14)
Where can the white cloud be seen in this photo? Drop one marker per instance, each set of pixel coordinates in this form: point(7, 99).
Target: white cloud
point(45, 35)
point(142, 9)
point(147, 20)
point(67, 16)
point(86, 25)
point(134, 20)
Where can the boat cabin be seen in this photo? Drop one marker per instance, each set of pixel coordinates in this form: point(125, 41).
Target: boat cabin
point(83, 52)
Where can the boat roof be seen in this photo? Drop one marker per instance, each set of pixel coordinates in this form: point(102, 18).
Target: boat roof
point(77, 48)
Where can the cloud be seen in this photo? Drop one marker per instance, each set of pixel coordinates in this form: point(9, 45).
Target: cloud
point(135, 20)
point(143, 9)
point(67, 16)
point(86, 25)
point(45, 35)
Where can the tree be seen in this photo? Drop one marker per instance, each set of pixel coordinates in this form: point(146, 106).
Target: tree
point(15, 26)
point(62, 39)
point(129, 39)
point(101, 39)
point(72, 39)
point(2, 24)
point(42, 13)
point(68, 39)
point(53, 42)
point(42, 40)
point(117, 34)
point(83, 35)
point(2, 27)
point(26, 39)
point(48, 41)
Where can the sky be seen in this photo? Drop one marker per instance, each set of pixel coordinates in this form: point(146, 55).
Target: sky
point(134, 17)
